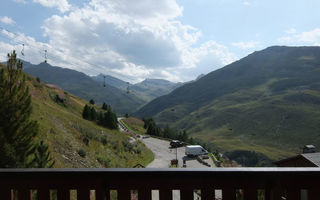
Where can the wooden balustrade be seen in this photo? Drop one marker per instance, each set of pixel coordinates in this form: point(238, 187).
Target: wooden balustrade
point(209, 184)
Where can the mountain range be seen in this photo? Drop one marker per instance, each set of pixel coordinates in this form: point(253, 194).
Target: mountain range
point(85, 87)
point(122, 96)
point(268, 102)
point(146, 90)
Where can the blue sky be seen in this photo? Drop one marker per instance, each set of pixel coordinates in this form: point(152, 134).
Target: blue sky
point(170, 39)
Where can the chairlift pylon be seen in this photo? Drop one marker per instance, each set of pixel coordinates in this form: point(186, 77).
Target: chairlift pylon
point(22, 51)
point(128, 89)
point(45, 56)
point(104, 81)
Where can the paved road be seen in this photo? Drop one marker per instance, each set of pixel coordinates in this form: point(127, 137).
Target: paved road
point(163, 155)
point(122, 128)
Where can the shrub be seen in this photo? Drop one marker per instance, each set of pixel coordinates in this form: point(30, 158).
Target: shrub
point(82, 153)
point(86, 141)
point(104, 141)
point(128, 147)
point(104, 161)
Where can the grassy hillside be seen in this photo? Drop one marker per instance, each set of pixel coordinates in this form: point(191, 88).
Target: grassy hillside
point(267, 102)
point(83, 86)
point(150, 89)
point(135, 125)
point(69, 136)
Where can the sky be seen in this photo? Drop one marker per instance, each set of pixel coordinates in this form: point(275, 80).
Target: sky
point(176, 40)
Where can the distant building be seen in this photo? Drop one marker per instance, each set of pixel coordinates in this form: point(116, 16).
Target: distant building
point(302, 160)
point(309, 158)
point(309, 149)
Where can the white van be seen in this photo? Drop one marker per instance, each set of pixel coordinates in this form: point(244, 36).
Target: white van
point(195, 150)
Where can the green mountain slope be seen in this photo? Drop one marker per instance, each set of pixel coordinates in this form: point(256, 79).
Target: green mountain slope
point(83, 86)
point(268, 102)
point(69, 135)
point(110, 80)
point(150, 89)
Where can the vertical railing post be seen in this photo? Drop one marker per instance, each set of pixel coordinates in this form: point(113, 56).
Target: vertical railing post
point(165, 194)
point(144, 194)
point(63, 194)
point(124, 194)
point(314, 193)
point(186, 194)
point(83, 193)
point(293, 193)
point(276, 193)
point(5, 192)
point(207, 194)
point(102, 193)
point(24, 194)
point(228, 193)
point(250, 193)
point(43, 194)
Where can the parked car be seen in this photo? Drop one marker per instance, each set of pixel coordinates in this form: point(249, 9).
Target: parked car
point(176, 143)
point(195, 150)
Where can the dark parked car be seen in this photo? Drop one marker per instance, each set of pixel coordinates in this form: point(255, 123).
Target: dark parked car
point(176, 143)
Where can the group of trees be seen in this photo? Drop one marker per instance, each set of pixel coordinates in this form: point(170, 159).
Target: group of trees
point(105, 118)
point(18, 148)
point(167, 132)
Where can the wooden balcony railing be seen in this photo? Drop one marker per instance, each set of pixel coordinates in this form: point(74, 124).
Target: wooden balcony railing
point(225, 183)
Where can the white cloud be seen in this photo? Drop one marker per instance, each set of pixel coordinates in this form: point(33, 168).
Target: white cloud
point(61, 5)
point(208, 57)
point(305, 38)
point(246, 45)
point(145, 39)
point(140, 9)
point(129, 39)
point(7, 20)
point(33, 50)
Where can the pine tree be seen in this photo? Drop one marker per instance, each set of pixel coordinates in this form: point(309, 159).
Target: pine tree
point(153, 129)
point(100, 118)
point(184, 136)
point(110, 120)
point(168, 132)
point(147, 122)
point(86, 112)
point(93, 114)
point(17, 131)
point(42, 157)
point(105, 106)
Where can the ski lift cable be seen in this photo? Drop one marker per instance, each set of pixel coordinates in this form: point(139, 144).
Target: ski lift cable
point(41, 49)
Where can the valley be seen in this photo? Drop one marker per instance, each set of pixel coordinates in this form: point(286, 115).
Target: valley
point(267, 102)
